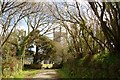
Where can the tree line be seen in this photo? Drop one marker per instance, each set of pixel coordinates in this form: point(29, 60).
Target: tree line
point(91, 28)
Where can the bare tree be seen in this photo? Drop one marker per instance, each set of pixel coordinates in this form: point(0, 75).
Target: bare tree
point(69, 16)
point(12, 13)
point(36, 19)
point(82, 25)
point(109, 16)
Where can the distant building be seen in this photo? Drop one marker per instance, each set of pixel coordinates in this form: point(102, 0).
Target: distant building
point(57, 36)
point(47, 64)
point(60, 35)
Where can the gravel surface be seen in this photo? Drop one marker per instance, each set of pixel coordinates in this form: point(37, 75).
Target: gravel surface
point(47, 74)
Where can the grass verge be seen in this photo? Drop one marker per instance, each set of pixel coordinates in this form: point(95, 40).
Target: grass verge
point(29, 73)
point(62, 74)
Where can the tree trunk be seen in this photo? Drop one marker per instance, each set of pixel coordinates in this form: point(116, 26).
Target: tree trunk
point(35, 56)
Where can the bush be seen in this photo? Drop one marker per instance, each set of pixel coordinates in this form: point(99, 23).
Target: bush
point(10, 67)
point(103, 65)
point(57, 66)
point(35, 66)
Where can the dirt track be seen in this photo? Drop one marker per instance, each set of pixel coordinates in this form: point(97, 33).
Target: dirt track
point(47, 74)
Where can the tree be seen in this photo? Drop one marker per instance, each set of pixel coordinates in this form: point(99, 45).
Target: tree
point(12, 12)
point(109, 20)
point(10, 60)
point(75, 23)
point(44, 48)
point(86, 35)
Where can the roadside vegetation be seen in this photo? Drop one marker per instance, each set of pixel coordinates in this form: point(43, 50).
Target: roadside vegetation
point(102, 65)
point(28, 73)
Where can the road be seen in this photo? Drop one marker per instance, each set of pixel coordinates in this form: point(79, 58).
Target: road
point(50, 74)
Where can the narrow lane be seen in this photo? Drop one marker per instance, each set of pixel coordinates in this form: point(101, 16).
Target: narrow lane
point(47, 74)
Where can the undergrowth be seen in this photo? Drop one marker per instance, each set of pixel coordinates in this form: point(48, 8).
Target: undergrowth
point(102, 65)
